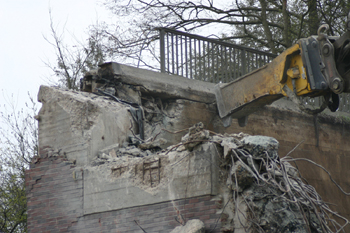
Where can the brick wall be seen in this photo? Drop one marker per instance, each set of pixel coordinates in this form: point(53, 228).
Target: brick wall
point(54, 198)
point(55, 204)
point(160, 217)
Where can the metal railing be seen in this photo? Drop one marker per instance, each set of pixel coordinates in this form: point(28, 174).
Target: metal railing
point(212, 60)
point(206, 59)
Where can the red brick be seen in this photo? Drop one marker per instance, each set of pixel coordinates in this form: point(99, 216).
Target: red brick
point(195, 200)
point(56, 184)
point(205, 217)
point(204, 208)
point(205, 198)
point(189, 215)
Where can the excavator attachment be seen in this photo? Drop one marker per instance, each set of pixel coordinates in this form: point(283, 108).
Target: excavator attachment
point(315, 66)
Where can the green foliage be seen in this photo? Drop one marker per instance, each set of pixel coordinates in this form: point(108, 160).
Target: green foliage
point(18, 144)
point(13, 217)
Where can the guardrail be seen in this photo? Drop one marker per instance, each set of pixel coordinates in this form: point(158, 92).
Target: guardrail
point(207, 59)
point(213, 60)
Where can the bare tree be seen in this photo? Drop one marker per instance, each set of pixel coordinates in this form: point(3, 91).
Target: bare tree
point(73, 61)
point(267, 25)
point(18, 129)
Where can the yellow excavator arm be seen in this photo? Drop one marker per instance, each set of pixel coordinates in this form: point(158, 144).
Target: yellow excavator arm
point(315, 66)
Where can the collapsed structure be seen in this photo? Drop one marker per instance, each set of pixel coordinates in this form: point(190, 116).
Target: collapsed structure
point(149, 153)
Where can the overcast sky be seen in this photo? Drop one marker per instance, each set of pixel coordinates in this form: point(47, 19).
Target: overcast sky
point(22, 46)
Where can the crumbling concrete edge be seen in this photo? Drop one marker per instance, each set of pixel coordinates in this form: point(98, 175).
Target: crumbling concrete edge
point(159, 83)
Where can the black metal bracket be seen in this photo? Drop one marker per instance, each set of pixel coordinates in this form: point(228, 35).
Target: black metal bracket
point(313, 63)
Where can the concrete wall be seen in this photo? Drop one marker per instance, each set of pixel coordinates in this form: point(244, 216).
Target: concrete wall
point(324, 139)
point(68, 190)
point(55, 204)
point(80, 124)
point(107, 188)
point(326, 143)
point(67, 193)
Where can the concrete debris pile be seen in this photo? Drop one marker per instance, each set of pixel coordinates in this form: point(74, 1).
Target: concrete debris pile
point(195, 136)
point(191, 226)
point(260, 192)
point(268, 193)
point(150, 168)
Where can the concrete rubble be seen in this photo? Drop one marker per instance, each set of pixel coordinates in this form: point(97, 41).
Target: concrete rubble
point(132, 160)
point(262, 192)
point(192, 226)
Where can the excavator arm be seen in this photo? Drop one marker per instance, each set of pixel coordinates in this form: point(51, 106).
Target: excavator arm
point(315, 66)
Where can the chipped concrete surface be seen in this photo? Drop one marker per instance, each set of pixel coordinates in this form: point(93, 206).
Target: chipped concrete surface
point(159, 84)
point(80, 124)
point(175, 174)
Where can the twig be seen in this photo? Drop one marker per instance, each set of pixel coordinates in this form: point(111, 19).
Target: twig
point(212, 132)
point(217, 220)
point(291, 151)
point(140, 226)
point(188, 174)
point(324, 169)
point(291, 189)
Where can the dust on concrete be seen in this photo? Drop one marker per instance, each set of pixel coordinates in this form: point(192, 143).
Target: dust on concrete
point(145, 169)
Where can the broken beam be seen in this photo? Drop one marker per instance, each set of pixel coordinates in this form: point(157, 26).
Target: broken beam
point(163, 85)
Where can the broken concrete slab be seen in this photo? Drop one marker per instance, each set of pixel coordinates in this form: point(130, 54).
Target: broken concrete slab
point(195, 136)
point(257, 146)
point(242, 175)
point(159, 84)
point(110, 151)
point(191, 226)
point(80, 124)
point(156, 144)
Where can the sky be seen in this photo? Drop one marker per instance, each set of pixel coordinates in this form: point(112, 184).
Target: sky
point(23, 47)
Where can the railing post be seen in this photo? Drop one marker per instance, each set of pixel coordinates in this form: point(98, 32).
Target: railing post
point(162, 50)
point(243, 60)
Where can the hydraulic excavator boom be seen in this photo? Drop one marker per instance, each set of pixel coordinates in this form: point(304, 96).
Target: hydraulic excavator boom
point(315, 66)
